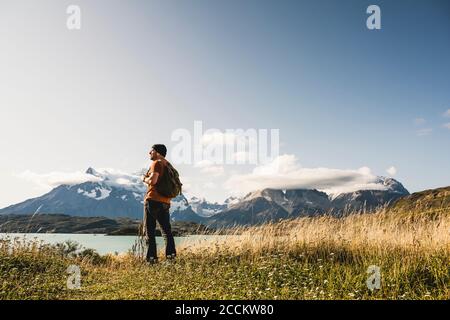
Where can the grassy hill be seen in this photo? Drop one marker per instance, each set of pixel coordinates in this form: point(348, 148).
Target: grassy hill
point(425, 201)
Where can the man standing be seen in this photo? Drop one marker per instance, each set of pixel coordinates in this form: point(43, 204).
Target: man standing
point(156, 206)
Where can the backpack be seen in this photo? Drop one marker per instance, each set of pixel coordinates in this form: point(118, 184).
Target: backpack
point(169, 184)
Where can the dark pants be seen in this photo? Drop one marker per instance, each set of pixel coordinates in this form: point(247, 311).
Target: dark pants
point(158, 211)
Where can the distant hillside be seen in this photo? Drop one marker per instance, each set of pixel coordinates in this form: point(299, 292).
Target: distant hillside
point(59, 223)
point(433, 199)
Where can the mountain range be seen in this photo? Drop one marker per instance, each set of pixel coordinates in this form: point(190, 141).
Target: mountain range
point(273, 204)
point(112, 195)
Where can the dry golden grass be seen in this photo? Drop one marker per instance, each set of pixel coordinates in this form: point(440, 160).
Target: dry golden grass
point(305, 258)
point(382, 230)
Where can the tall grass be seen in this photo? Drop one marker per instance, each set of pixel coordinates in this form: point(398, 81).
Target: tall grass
point(305, 258)
point(382, 230)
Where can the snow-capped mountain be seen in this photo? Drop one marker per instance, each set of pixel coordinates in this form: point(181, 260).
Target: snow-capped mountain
point(274, 204)
point(231, 201)
point(204, 208)
point(107, 192)
point(271, 205)
point(390, 191)
point(111, 194)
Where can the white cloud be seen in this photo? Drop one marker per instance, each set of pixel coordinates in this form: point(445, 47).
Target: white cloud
point(187, 183)
point(286, 173)
point(54, 179)
point(392, 171)
point(209, 167)
point(419, 121)
point(447, 113)
point(118, 178)
point(109, 176)
point(424, 132)
point(204, 163)
point(209, 185)
point(447, 125)
point(245, 157)
point(123, 181)
point(215, 171)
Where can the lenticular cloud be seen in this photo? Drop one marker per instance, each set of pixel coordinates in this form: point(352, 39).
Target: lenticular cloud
point(110, 177)
point(285, 172)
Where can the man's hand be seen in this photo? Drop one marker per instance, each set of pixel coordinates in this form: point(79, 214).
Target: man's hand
point(152, 179)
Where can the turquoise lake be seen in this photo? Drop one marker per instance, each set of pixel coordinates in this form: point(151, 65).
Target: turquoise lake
point(101, 243)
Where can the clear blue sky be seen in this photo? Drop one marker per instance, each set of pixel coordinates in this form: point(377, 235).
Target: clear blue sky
point(342, 96)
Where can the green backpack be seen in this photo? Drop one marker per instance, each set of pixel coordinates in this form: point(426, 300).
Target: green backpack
point(169, 184)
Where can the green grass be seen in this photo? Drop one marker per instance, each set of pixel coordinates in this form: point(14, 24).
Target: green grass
point(341, 275)
point(32, 274)
point(312, 261)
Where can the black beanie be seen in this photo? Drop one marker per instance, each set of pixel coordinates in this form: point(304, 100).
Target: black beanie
point(160, 148)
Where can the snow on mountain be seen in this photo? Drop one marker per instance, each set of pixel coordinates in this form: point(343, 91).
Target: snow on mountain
point(119, 179)
point(104, 192)
point(112, 193)
point(179, 203)
point(390, 190)
point(96, 193)
point(205, 208)
point(273, 204)
point(231, 201)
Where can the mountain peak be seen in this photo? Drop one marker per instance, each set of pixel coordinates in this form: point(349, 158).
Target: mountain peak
point(393, 185)
point(91, 171)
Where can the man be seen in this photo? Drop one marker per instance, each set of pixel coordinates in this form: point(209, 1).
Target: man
point(156, 206)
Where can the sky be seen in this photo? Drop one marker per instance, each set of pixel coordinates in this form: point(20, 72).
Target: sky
point(350, 103)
